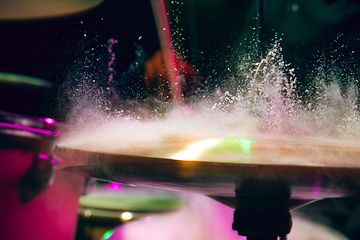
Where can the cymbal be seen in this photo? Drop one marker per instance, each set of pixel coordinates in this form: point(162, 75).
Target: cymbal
point(17, 80)
point(261, 178)
point(305, 182)
point(14, 10)
point(253, 149)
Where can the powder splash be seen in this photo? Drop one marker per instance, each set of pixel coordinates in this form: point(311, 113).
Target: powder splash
point(264, 111)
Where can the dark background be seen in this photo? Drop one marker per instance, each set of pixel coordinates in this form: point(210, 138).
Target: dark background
point(212, 30)
point(49, 49)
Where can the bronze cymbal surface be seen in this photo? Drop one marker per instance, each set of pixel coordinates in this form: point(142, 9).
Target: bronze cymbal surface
point(277, 162)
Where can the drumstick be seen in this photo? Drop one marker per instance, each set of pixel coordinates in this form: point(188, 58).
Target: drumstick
point(163, 29)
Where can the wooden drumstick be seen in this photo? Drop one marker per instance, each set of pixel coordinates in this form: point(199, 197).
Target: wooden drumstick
point(163, 29)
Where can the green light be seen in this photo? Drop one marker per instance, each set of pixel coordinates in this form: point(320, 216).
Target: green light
point(234, 145)
point(108, 234)
point(245, 143)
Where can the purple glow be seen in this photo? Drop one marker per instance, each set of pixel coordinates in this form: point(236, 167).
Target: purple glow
point(49, 122)
point(111, 42)
point(25, 128)
point(56, 133)
point(44, 156)
point(317, 188)
point(110, 89)
point(53, 161)
point(148, 219)
point(115, 186)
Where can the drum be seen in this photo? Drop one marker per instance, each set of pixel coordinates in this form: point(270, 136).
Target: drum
point(109, 205)
point(37, 200)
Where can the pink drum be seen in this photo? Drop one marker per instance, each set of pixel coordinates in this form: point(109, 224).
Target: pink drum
point(37, 201)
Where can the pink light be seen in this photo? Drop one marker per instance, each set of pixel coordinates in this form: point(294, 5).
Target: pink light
point(44, 156)
point(317, 188)
point(115, 186)
point(53, 161)
point(25, 128)
point(49, 120)
point(56, 133)
point(148, 219)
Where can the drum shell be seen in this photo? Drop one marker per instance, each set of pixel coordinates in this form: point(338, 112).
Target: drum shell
point(51, 213)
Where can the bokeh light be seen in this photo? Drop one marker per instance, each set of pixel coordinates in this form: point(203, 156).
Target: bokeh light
point(126, 216)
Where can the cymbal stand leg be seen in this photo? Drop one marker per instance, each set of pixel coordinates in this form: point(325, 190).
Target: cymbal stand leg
point(262, 211)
